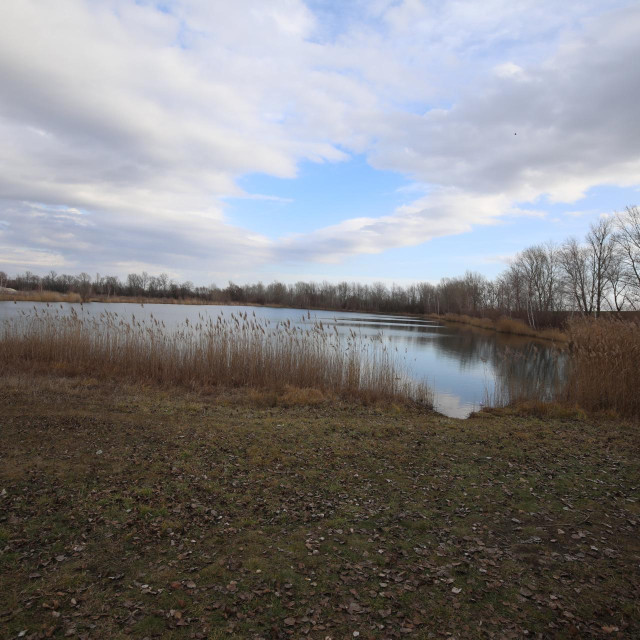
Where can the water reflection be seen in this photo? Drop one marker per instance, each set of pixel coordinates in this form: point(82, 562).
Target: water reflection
point(465, 366)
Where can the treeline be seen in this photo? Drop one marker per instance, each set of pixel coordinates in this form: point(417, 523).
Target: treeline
point(541, 286)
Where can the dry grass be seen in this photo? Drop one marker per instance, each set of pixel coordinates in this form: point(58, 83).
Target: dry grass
point(239, 351)
point(40, 296)
point(517, 327)
point(505, 324)
point(54, 296)
point(601, 376)
point(151, 300)
point(537, 409)
point(605, 365)
point(132, 513)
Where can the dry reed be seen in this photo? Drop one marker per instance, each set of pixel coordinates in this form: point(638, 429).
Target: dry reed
point(504, 324)
point(151, 300)
point(605, 365)
point(239, 350)
point(601, 373)
point(40, 296)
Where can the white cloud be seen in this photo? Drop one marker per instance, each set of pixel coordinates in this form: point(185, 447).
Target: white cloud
point(445, 211)
point(509, 70)
point(143, 119)
point(573, 125)
point(26, 258)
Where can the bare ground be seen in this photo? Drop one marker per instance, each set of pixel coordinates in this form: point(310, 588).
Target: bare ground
point(130, 512)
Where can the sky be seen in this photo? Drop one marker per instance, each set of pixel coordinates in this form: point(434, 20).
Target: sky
point(366, 140)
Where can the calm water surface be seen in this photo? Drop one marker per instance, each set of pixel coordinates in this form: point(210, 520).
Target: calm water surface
point(462, 365)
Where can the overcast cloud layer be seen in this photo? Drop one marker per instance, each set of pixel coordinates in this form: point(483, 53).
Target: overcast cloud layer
point(123, 126)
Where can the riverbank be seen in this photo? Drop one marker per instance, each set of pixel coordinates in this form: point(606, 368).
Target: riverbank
point(39, 296)
point(132, 511)
point(53, 296)
point(503, 325)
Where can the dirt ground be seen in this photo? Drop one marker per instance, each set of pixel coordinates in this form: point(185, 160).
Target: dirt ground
point(130, 512)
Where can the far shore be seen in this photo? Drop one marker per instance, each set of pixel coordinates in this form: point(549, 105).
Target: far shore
point(503, 324)
point(75, 298)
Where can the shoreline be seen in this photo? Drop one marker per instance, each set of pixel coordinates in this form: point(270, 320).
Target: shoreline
point(504, 325)
point(75, 298)
point(509, 325)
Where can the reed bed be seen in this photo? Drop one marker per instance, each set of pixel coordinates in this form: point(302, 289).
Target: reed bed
point(239, 350)
point(151, 300)
point(605, 365)
point(39, 296)
point(504, 324)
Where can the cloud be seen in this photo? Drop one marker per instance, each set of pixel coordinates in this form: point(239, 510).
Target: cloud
point(556, 129)
point(568, 125)
point(26, 258)
point(443, 212)
point(124, 126)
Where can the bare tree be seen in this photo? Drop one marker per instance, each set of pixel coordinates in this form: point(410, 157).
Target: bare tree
point(627, 240)
point(84, 284)
point(539, 267)
point(618, 297)
point(601, 247)
point(135, 284)
point(111, 284)
point(578, 280)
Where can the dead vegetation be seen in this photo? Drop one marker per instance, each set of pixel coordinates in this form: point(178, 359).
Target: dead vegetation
point(39, 296)
point(239, 350)
point(601, 374)
point(605, 365)
point(505, 324)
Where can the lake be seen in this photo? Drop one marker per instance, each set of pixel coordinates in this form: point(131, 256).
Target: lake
point(464, 366)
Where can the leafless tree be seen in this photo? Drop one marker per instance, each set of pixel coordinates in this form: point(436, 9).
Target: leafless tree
point(619, 292)
point(539, 268)
point(601, 247)
point(627, 240)
point(577, 280)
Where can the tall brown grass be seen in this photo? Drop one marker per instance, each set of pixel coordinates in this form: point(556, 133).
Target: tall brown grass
point(40, 296)
point(505, 324)
point(235, 351)
point(150, 300)
point(604, 372)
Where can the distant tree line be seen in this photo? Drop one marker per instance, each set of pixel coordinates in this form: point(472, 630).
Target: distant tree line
point(541, 285)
